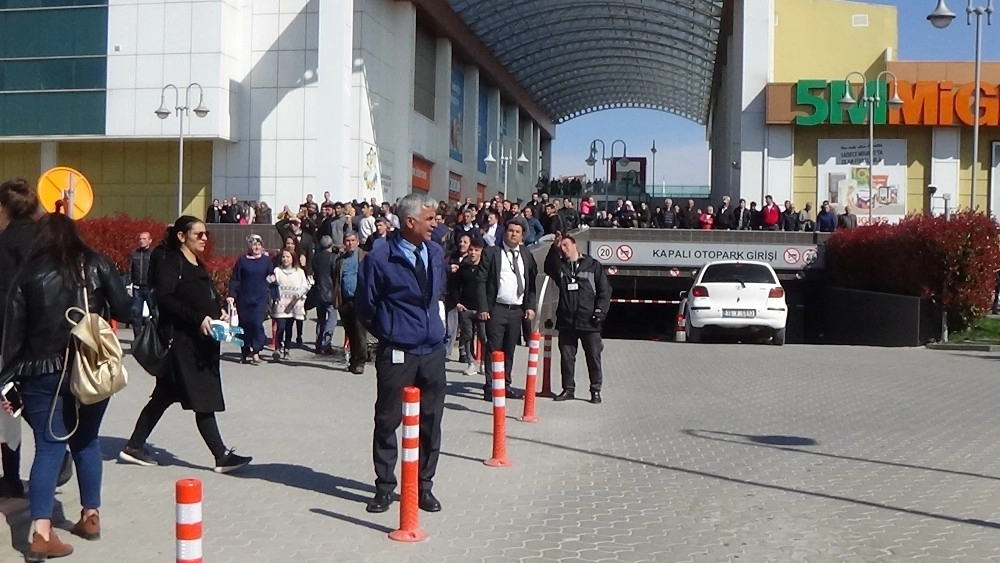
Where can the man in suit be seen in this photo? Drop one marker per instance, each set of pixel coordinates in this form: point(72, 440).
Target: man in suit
point(506, 296)
point(400, 286)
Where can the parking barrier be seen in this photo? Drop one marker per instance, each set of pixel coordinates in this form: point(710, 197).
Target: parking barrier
point(531, 380)
point(547, 367)
point(188, 521)
point(680, 335)
point(499, 458)
point(409, 507)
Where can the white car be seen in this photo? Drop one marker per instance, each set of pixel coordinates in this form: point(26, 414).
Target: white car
point(735, 295)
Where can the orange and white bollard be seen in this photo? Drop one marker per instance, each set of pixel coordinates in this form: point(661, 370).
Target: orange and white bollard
point(680, 335)
point(409, 509)
point(547, 367)
point(499, 458)
point(188, 526)
point(531, 381)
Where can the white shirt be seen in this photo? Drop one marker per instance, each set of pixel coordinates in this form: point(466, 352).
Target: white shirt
point(490, 235)
point(367, 227)
point(507, 292)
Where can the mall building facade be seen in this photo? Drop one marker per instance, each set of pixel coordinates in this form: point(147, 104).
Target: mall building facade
point(364, 99)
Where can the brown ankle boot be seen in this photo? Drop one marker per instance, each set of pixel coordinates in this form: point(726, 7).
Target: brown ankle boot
point(88, 528)
point(42, 549)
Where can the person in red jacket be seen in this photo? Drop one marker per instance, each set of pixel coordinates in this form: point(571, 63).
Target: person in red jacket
point(770, 215)
point(707, 219)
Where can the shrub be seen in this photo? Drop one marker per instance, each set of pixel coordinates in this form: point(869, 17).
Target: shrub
point(952, 262)
point(116, 237)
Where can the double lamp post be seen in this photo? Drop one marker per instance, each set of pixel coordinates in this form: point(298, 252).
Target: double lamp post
point(591, 161)
point(164, 112)
point(506, 157)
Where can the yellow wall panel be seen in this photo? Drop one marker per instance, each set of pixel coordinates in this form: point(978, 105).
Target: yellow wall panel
point(818, 39)
point(113, 165)
point(20, 159)
point(134, 170)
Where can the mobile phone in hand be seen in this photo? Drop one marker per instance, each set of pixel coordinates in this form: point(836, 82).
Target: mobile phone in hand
point(11, 395)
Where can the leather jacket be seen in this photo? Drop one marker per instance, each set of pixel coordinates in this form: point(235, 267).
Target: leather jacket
point(36, 332)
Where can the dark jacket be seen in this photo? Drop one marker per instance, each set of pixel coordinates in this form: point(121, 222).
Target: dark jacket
point(724, 219)
point(139, 269)
point(745, 215)
point(790, 221)
point(463, 286)
point(826, 222)
point(392, 307)
point(577, 309)
point(15, 242)
point(323, 276)
point(185, 295)
point(488, 282)
point(337, 276)
point(37, 332)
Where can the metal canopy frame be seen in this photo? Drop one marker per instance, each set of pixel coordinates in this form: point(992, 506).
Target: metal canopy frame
point(580, 56)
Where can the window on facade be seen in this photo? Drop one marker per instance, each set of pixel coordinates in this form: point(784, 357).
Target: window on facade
point(424, 71)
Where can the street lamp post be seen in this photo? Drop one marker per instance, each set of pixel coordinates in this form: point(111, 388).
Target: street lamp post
point(941, 18)
point(505, 158)
point(592, 161)
point(164, 112)
point(871, 100)
point(652, 171)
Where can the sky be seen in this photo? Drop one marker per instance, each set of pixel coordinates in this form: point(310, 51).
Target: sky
point(681, 145)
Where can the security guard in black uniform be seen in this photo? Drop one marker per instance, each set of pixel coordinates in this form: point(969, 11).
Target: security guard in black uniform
point(584, 299)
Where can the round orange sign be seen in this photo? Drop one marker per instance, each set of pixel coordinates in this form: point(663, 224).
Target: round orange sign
point(59, 185)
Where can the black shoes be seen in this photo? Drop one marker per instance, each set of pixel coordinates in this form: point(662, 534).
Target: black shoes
point(10, 488)
point(231, 462)
point(428, 502)
point(137, 456)
point(357, 369)
point(566, 395)
point(514, 393)
point(595, 397)
point(381, 502)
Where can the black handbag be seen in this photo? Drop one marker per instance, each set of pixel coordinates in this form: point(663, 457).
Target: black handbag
point(150, 350)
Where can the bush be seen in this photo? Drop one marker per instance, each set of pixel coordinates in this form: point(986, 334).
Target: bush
point(117, 236)
point(952, 262)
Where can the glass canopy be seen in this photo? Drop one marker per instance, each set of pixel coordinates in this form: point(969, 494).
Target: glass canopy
point(581, 56)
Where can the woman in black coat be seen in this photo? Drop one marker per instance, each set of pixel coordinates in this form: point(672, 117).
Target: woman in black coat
point(187, 303)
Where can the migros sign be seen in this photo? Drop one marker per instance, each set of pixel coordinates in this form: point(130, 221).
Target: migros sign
point(925, 103)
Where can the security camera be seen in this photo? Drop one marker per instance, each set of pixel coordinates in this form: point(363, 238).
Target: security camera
point(932, 189)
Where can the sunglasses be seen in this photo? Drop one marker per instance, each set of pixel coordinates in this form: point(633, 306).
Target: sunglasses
point(201, 235)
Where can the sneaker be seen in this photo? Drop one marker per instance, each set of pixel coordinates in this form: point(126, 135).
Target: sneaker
point(231, 462)
point(473, 369)
point(284, 353)
point(138, 456)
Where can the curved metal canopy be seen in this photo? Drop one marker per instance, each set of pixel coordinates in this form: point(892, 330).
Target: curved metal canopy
point(581, 56)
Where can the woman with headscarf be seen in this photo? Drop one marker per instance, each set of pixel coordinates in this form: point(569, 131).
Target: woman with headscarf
point(249, 290)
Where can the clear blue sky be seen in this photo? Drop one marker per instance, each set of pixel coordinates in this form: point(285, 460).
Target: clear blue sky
point(682, 149)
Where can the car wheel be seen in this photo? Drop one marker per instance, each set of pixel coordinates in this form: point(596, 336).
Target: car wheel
point(778, 338)
point(693, 334)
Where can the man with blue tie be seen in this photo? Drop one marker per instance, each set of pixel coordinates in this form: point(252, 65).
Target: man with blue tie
point(398, 298)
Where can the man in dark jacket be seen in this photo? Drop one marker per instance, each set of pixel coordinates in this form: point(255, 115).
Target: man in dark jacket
point(398, 298)
point(141, 287)
point(584, 299)
point(326, 313)
point(345, 287)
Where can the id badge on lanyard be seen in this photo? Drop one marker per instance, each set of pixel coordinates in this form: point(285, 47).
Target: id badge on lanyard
point(573, 285)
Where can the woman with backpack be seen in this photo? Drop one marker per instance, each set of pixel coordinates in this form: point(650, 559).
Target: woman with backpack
point(187, 302)
point(58, 270)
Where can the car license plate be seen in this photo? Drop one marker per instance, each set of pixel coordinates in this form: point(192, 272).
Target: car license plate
point(739, 313)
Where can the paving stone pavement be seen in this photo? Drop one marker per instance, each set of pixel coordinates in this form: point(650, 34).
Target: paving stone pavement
point(700, 453)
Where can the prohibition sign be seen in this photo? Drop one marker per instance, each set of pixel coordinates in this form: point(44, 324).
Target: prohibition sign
point(612, 271)
point(624, 253)
point(791, 255)
point(675, 272)
point(810, 256)
point(604, 252)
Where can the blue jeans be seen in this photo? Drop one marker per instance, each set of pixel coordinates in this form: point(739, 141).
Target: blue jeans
point(37, 393)
point(326, 322)
point(139, 297)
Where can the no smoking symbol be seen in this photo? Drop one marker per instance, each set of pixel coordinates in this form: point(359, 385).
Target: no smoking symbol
point(791, 256)
point(604, 252)
point(624, 253)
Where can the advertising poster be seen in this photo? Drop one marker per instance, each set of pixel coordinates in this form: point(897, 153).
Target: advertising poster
point(454, 186)
point(843, 178)
point(482, 128)
point(457, 112)
point(421, 175)
point(372, 176)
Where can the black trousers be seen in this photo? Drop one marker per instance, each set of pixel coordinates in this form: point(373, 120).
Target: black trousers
point(593, 345)
point(357, 336)
point(158, 404)
point(503, 331)
point(425, 372)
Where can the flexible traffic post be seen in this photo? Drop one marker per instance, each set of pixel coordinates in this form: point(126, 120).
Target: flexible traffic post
point(188, 521)
point(531, 380)
point(680, 335)
point(409, 509)
point(547, 366)
point(499, 458)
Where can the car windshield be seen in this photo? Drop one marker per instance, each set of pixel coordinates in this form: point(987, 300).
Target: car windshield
point(739, 273)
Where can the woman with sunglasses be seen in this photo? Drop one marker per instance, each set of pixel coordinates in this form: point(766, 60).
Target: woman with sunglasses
point(187, 302)
point(249, 290)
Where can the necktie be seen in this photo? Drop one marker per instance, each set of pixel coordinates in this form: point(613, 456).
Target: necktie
point(421, 272)
point(516, 265)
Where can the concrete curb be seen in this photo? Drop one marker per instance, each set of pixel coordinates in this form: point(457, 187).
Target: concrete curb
point(968, 347)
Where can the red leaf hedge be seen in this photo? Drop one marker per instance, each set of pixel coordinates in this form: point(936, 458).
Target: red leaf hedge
point(117, 236)
point(953, 262)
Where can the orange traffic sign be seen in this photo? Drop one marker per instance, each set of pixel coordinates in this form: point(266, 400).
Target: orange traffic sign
point(60, 185)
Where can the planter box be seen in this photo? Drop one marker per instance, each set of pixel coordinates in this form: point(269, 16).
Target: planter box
point(867, 318)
